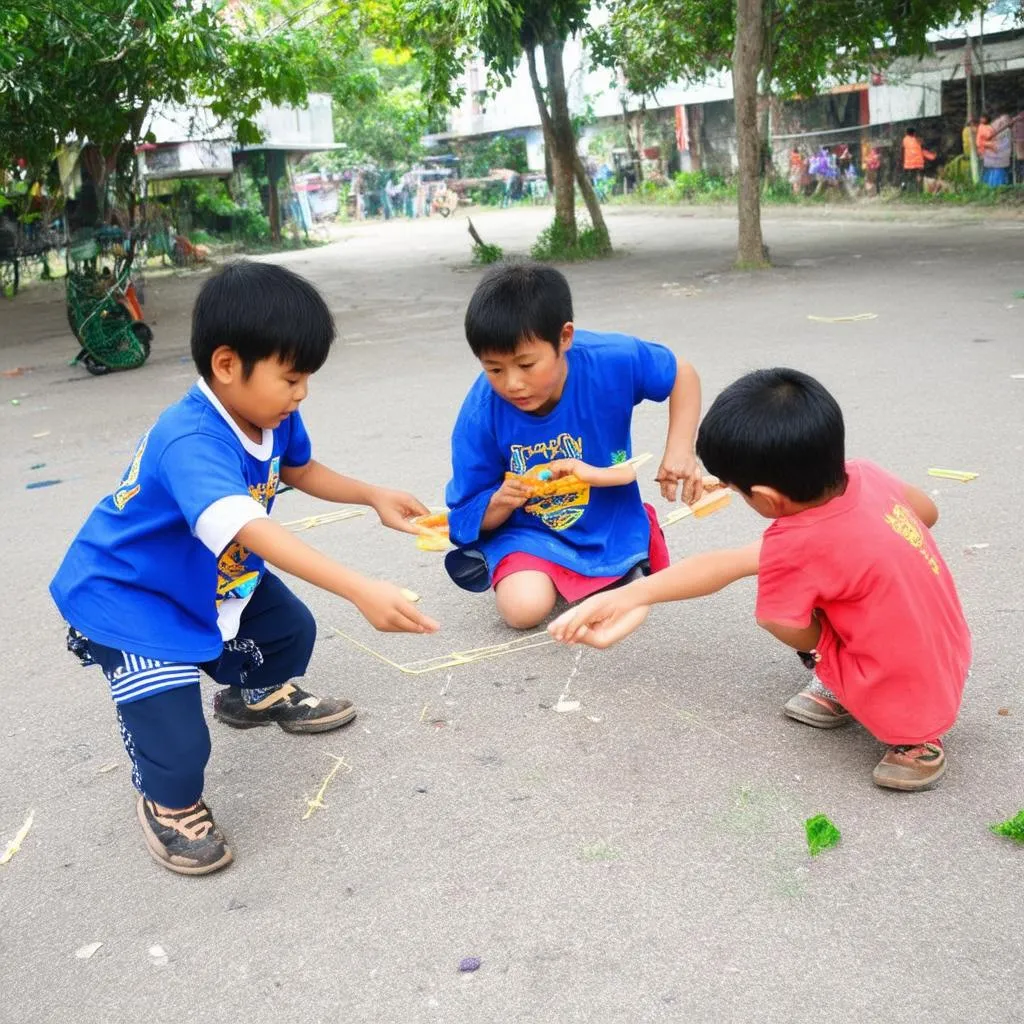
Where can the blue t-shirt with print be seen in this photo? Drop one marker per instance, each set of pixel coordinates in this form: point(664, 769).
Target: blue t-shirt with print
point(599, 531)
point(136, 577)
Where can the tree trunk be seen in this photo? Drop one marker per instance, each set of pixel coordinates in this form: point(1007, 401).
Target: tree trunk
point(745, 65)
point(564, 155)
point(562, 171)
point(593, 205)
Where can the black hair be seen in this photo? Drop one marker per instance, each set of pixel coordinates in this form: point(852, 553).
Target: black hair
point(514, 301)
point(912, 131)
point(775, 428)
point(261, 310)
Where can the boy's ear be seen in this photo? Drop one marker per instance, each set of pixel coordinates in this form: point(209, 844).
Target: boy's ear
point(769, 502)
point(565, 337)
point(225, 365)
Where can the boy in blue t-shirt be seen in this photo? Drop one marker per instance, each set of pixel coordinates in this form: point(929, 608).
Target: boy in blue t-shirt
point(168, 577)
point(555, 397)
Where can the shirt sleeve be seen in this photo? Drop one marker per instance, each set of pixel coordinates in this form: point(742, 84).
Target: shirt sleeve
point(299, 449)
point(786, 593)
point(654, 371)
point(199, 471)
point(478, 470)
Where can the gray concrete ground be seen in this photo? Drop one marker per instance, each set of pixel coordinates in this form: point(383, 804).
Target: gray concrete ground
point(639, 859)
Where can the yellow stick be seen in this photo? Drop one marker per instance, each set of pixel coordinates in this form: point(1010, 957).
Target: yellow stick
point(443, 661)
point(15, 844)
point(843, 319)
point(953, 474)
point(318, 801)
point(322, 520)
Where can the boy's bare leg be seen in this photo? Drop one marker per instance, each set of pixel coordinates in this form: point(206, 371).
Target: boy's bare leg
point(525, 599)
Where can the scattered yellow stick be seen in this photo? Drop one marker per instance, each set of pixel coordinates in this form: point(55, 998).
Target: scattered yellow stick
point(711, 502)
point(15, 844)
point(410, 595)
point(296, 525)
point(318, 801)
point(953, 474)
point(418, 668)
point(843, 319)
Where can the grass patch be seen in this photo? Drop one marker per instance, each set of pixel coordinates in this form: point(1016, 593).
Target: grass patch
point(484, 254)
point(554, 245)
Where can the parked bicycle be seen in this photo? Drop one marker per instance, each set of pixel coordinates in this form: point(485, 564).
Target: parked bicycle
point(104, 311)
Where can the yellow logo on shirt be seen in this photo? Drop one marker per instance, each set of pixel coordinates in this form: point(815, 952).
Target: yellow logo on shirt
point(234, 579)
point(556, 511)
point(129, 486)
point(905, 523)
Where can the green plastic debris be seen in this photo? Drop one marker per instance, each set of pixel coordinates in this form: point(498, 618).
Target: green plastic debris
point(821, 834)
point(1012, 829)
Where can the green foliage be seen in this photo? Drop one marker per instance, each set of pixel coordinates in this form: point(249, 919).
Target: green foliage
point(685, 187)
point(485, 254)
point(479, 156)
point(385, 127)
point(657, 41)
point(821, 834)
point(1013, 828)
point(554, 245)
point(94, 69)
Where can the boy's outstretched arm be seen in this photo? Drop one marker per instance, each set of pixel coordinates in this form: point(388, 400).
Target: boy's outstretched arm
point(679, 464)
point(395, 508)
point(606, 618)
point(381, 604)
point(924, 508)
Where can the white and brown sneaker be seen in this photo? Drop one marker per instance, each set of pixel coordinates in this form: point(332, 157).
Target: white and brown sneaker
point(911, 768)
point(187, 841)
point(287, 706)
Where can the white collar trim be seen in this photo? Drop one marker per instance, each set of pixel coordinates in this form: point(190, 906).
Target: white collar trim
point(261, 451)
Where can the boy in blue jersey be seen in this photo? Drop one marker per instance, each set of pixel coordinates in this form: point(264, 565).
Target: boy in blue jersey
point(168, 577)
point(555, 397)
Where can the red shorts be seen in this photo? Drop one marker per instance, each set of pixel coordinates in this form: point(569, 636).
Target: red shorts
point(574, 586)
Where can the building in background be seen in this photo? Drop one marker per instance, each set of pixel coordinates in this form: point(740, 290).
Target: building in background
point(690, 127)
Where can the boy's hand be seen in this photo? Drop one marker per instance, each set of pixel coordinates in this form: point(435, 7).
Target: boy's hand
point(512, 494)
point(396, 508)
point(561, 468)
point(680, 469)
point(386, 609)
point(600, 621)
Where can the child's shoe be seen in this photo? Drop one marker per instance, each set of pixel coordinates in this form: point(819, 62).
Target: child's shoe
point(817, 706)
point(187, 842)
point(911, 767)
point(291, 708)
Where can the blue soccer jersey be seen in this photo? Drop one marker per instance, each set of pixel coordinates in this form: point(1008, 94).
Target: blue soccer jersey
point(156, 569)
point(600, 531)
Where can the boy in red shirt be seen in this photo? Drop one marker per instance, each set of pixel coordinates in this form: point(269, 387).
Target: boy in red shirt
point(847, 574)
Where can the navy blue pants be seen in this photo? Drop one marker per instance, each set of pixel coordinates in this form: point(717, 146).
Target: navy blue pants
point(165, 734)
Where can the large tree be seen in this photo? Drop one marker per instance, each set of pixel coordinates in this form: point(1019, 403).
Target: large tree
point(445, 34)
point(92, 70)
point(781, 47)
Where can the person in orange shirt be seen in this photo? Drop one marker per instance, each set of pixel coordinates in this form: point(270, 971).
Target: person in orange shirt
point(914, 156)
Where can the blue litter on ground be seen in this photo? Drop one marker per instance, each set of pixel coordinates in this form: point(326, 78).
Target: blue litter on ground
point(470, 963)
point(42, 483)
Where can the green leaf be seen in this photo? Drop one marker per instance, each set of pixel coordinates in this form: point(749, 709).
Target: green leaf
point(821, 834)
point(1013, 828)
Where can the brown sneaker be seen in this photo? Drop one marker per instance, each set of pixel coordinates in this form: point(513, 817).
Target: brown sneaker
point(911, 767)
point(187, 842)
point(291, 708)
point(817, 707)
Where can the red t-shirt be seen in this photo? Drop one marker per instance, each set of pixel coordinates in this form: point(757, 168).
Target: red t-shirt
point(895, 648)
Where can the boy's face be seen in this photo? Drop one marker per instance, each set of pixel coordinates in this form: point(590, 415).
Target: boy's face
point(533, 377)
point(267, 397)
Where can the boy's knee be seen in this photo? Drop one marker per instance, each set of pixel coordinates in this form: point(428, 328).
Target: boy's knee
point(526, 603)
